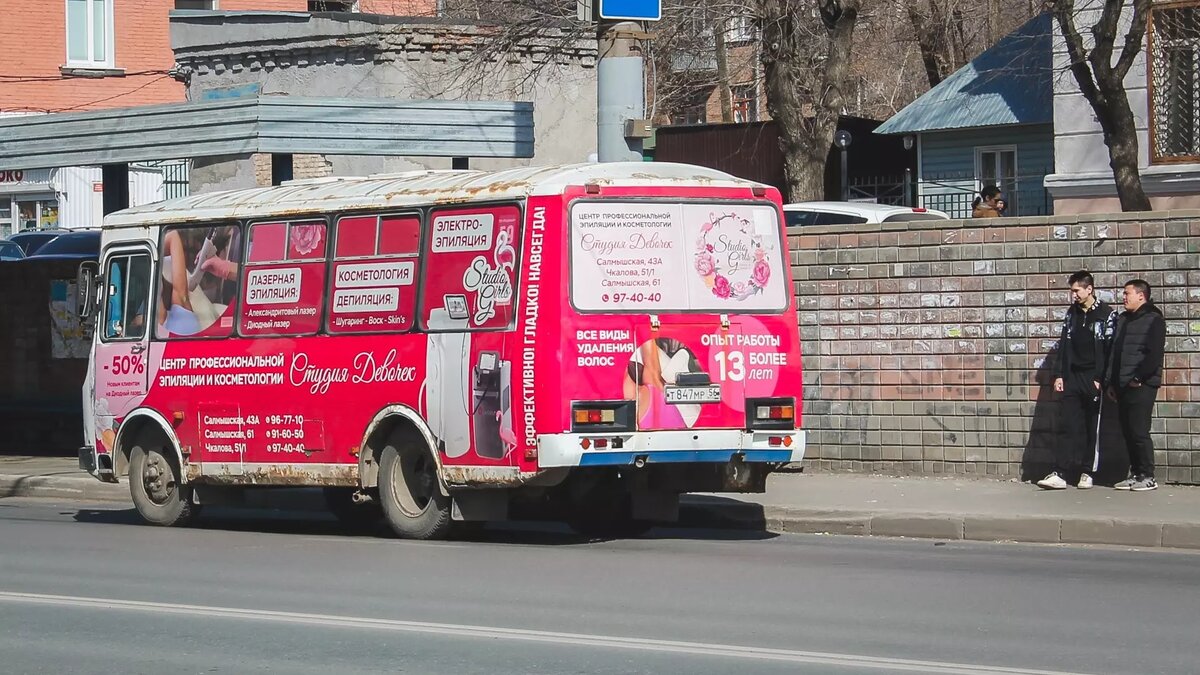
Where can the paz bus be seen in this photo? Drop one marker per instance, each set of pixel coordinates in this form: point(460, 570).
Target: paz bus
point(587, 341)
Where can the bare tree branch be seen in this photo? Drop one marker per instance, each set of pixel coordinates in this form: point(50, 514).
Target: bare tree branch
point(1104, 88)
point(1134, 38)
point(1064, 13)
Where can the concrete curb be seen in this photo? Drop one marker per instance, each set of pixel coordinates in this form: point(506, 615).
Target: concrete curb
point(723, 513)
point(957, 527)
point(82, 487)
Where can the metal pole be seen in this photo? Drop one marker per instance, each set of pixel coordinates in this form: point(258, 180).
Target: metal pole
point(620, 94)
point(845, 180)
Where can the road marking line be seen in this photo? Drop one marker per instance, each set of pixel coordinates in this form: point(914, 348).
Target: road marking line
point(525, 635)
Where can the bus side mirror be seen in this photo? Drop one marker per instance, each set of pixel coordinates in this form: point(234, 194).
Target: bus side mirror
point(87, 290)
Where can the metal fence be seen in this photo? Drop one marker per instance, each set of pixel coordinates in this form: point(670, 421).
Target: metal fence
point(894, 190)
point(1024, 195)
point(175, 173)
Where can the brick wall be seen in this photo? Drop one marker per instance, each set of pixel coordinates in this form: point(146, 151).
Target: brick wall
point(40, 397)
point(33, 48)
point(929, 347)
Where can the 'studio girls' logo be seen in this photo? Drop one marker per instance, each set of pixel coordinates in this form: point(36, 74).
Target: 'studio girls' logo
point(492, 285)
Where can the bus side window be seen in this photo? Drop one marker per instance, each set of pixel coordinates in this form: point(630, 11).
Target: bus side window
point(128, 292)
point(284, 279)
point(374, 273)
point(198, 281)
point(471, 268)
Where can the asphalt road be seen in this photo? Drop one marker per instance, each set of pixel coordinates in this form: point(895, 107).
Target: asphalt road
point(85, 588)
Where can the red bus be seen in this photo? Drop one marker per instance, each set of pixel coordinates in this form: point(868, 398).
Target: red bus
point(444, 346)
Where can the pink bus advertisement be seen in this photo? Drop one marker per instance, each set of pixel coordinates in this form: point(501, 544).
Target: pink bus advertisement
point(588, 342)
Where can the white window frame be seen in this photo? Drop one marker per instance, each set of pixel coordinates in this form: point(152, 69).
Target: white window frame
point(741, 28)
point(1011, 198)
point(109, 33)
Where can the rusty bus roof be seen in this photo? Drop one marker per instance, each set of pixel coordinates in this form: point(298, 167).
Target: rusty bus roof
point(412, 189)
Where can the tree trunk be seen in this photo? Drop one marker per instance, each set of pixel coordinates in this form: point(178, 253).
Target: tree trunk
point(1120, 135)
point(805, 141)
point(723, 90)
point(928, 43)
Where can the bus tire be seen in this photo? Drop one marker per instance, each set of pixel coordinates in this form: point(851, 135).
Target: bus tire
point(159, 495)
point(340, 502)
point(408, 491)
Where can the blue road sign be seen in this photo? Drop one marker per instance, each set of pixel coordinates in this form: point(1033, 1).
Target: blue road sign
point(631, 10)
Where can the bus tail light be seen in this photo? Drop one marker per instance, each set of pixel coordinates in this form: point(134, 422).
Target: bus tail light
point(602, 416)
point(771, 413)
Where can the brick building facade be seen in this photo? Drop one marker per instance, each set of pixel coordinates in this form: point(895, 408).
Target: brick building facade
point(46, 66)
point(929, 346)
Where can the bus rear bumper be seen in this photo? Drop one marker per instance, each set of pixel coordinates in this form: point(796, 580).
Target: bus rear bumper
point(710, 446)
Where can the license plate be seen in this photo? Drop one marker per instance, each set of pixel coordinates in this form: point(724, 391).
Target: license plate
point(708, 394)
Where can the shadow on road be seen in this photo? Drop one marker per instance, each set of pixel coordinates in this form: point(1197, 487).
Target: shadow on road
point(711, 519)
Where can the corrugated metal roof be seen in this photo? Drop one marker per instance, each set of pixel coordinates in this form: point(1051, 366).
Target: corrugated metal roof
point(417, 188)
point(1007, 84)
point(279, 124)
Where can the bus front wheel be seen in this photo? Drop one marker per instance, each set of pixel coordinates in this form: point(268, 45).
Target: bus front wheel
point(159, 495)
point(408, 491)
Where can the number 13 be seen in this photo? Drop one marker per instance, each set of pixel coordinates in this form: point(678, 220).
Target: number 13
point(732, 366)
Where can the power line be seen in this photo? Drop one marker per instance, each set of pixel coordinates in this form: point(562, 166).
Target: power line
point(88, 104)
point(59, 78)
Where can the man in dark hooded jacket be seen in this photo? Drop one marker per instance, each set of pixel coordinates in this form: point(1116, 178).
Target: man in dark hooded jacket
point(1134, 376)
point(1083, 348)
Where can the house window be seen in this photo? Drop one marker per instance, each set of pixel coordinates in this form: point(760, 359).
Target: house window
point(741, 29)
point(89, 33)
point(202, 5)
point(693, 114)
point(745, 102)
point(998, 166)
point(1175, 83)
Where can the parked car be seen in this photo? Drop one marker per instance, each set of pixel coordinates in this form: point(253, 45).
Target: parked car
point(71, 245)
point(31, 240)
point(10, 250)
point(840, 213)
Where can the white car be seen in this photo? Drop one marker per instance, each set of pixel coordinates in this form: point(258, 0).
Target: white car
point(839, 213)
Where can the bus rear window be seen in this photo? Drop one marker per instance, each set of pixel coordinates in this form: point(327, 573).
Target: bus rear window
point(662, 257)
point(374, 274)
point(283, 282)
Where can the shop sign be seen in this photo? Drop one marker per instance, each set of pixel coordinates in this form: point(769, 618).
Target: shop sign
point(12, 176)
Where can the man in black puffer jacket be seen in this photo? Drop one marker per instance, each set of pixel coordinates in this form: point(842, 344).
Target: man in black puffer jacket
point(1083, 348)
point(1134, 376)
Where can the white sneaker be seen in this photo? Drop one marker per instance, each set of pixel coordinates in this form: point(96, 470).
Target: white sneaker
point(1085, 482)
point(1052, 482)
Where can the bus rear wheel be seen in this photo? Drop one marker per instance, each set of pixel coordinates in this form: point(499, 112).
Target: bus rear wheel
point(159, 495)
point(408, 491)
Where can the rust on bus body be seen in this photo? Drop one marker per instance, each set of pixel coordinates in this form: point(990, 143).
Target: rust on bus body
point(338, 475)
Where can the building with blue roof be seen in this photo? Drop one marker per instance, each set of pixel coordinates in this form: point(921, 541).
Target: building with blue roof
point(990, 123)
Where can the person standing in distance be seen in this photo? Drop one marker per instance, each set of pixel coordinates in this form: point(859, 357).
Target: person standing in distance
point(1083, 347)
point(1134, 376)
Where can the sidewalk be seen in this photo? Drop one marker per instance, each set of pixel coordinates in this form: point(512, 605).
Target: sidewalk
point(934, 508)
